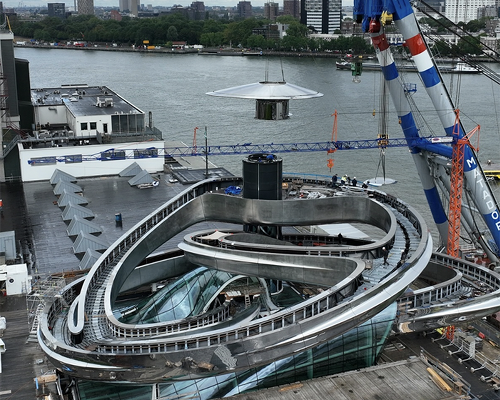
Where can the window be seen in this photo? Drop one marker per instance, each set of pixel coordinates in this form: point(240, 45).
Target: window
point(83, 126)
point(93, 125)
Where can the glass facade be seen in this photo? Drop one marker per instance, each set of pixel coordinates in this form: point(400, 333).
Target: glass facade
point(359, 348)
point(127, 123)
point(187, 296)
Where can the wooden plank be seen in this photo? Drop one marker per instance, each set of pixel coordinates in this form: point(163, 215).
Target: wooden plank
point(400, 380)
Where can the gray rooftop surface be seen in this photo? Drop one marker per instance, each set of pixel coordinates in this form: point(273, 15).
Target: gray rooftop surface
point(82, 100)
point(107, 196)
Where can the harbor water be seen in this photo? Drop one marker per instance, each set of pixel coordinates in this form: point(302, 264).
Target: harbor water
point(173, 87)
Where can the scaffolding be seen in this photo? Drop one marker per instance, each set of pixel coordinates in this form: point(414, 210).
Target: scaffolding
point(42, 294)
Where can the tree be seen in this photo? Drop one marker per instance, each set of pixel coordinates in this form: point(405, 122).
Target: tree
point(469, 46)
point(236, 33)
point(172, 34)
point(212, 39)
point(442, 49)
point(286, 19)
point(257, 41)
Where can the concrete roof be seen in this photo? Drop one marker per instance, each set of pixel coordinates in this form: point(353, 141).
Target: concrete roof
point(82, 100)
point(69, 187)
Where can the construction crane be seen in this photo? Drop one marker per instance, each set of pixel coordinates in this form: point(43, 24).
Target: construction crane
point(432, 159)
point(456, 186)
point(332, 149)
point(195, 148)
point(250, 148)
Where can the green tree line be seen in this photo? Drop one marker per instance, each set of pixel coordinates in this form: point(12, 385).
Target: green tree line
point(465, 45)
point(163, 30)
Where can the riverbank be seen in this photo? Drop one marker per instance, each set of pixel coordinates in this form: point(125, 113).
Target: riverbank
point(163, 50)
point(232, 52)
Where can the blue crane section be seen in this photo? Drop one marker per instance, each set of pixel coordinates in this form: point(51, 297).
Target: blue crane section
point(246, 148)
point(374, 15)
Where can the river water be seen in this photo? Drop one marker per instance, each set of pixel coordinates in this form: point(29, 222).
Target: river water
point(173, 87)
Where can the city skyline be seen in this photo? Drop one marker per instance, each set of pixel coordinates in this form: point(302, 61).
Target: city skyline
point(115, 3)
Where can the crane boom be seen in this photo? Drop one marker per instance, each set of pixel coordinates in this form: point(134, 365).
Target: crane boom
point(369, 13)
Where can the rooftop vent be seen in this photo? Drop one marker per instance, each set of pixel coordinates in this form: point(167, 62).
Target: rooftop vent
point(104, 102)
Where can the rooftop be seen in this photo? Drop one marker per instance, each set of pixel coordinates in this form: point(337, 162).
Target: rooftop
point(84, 100)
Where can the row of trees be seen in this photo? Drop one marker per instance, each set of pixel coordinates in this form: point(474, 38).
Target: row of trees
point(176, 27)
point(216, 33)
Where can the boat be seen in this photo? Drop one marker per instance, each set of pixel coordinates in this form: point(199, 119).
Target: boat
point(492, 171)
point(459, 67)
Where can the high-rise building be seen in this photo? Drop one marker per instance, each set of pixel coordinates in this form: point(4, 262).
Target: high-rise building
point(487, 12)
point(85, 7)
point(198, 6)
point(465, 10)
point(134, 7)
point(291, 7)
point(244, 9)
point(197, 10)
point(271, 10)
point(323, 15)
point(57, 10)
point(124, 5)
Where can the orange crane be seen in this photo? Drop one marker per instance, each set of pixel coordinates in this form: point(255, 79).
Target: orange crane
point(456, 185)
point(332, 148)
point(194, 141)
point(456, 191)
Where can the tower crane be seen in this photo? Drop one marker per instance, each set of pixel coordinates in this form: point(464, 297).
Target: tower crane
point(332, 148)
point(456, 186)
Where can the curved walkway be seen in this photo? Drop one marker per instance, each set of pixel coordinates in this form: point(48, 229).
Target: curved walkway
point(81, 335)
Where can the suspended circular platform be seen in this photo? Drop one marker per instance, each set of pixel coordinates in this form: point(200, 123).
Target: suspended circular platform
point(272, 98)
point(380, 181)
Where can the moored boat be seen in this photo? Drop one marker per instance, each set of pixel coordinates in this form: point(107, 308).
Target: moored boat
point(459, 67)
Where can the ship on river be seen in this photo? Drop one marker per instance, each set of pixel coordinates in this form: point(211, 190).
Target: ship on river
point(457, 68)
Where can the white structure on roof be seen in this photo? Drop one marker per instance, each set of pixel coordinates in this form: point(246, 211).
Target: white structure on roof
point(88, 111)
point(15, 279)
point(85, 131)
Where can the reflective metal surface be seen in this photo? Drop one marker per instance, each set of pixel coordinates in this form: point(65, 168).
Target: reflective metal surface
point(107, 349)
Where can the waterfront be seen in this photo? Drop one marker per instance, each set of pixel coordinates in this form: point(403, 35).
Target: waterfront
point(304, 135)
point(174, 87)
